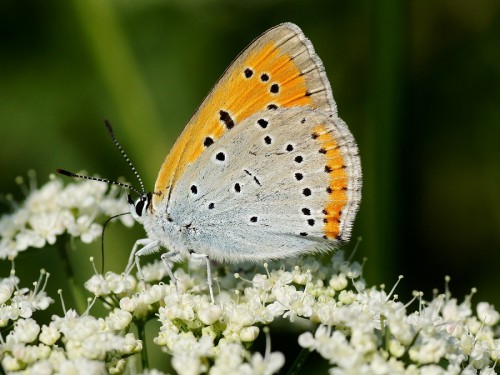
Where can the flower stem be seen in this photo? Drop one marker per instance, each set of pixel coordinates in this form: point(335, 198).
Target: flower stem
point(76, 292)
point(141, 333)
point(299, 362)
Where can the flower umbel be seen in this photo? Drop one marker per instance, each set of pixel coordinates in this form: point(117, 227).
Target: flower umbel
point(54, 209)
point(81, 344)
point(357, 329)
point(20, 303)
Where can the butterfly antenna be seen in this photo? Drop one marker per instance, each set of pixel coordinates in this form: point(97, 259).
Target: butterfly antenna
point(125, 156)
point(71, 174)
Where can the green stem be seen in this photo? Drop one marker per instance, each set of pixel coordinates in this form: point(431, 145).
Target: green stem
point(299, 362)
point(141, 333)
point(76, 293)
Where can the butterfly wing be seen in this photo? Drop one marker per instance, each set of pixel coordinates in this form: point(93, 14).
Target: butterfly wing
point(279, 69)
point(283, 183)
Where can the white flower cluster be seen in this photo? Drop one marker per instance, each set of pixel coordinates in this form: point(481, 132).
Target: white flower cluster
point(361, 330)
point(54, 209)
point(20, 303)
point(374, 334)
point(356, 329)
point(69, 345)
point(200, 336)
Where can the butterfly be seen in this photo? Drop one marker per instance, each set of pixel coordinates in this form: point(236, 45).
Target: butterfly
point(264, 170)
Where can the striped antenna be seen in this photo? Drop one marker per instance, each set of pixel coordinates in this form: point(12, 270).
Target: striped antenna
point(71, 174)
point(141, 193)
point(125, 156)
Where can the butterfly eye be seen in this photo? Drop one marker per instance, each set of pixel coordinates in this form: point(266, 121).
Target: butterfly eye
point(139, 206)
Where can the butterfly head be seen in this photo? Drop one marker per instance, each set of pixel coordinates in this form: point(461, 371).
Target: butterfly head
point(139, 207)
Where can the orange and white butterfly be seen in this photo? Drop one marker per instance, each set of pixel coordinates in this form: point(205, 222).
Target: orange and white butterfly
point(265, 169)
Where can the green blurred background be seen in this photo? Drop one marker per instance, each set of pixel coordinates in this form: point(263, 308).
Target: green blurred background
point(417, 82)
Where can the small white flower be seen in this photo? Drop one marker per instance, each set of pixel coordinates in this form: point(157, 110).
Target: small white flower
point(296, 302)
point(300, 277)
point(427, 350)
point(432, 370)
point(49, 335)
point(276, 309)
point(8, 313)
point(347, 297)
point(26, 238)
point(396, 348)
point(229, 358)
point(259, 365)
point(467, 343)
point(154, 271)
point(480, 354)
point(451, 310)
point(111, 283)
point(120, 284)
point(143, 304)
point(283, 277)
point(45, 197)
point(262, 282)
point(208, 313)
point(239, 316)
point(130, 344)
point(338, 282)
point(307, 340)
point(249, 334)
point(118, 319)
point(180, 306)
point(81, 366)
point(487, 313)
point(47, 225)
point(25, 331)
point(85, 228)
point(11, 364)
point(7, 288)
point(188, 354)
point(152, 371)
point(382, 365)
point(487, 371)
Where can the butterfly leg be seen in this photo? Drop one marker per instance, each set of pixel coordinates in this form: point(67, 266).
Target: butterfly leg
point(209, 272)
point(148, 247)
point(166, 258)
